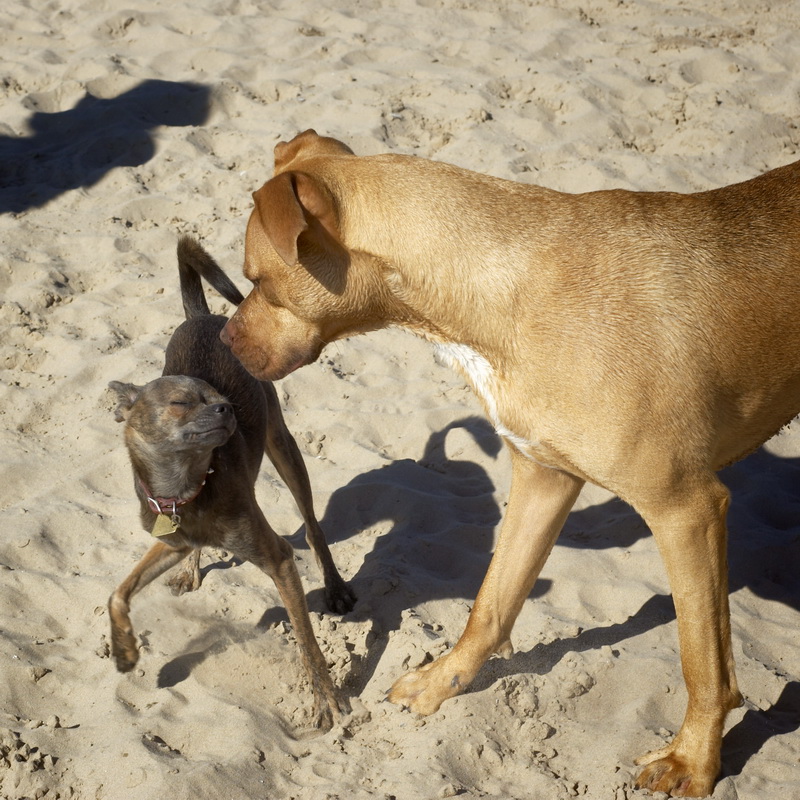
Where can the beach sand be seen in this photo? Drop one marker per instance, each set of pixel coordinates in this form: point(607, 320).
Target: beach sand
point(126, 125)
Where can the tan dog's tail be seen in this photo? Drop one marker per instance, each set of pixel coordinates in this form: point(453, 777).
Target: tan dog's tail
point(193, 263)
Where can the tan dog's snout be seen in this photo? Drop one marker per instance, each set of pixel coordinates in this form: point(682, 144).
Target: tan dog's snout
point(280, 347)
point(231, 336)
point(228, 335)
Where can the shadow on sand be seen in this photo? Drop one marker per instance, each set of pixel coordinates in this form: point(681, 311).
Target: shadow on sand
point(75, 148)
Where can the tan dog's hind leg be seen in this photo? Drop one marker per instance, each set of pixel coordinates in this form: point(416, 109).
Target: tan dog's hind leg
point(538, 505)
point(283, 452)
point(691, 534)
point(274, 555)
point(187, 577)
point(156, 561)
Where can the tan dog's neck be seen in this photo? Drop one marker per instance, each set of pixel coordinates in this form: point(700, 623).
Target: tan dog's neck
point(439, 298)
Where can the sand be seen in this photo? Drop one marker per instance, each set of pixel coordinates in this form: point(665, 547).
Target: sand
point(125, 125)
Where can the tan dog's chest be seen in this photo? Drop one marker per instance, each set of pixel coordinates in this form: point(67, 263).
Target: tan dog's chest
point(482, 377)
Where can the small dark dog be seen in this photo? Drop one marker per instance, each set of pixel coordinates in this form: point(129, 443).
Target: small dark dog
point(196, 437)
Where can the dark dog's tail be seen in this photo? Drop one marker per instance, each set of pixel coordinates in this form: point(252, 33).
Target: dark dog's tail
point(193, 263)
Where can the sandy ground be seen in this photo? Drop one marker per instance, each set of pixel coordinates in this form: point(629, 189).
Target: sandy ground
point(125, 125)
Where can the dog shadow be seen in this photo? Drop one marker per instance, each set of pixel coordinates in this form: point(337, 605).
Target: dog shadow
point(758, 726)
point(74, 148)
point(433, 521)
point(438, 506)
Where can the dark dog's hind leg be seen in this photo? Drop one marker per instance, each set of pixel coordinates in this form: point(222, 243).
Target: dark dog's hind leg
point(275, 556)
point(283, 452)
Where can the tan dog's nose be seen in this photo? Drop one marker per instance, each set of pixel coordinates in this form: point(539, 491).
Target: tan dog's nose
point(228, 334)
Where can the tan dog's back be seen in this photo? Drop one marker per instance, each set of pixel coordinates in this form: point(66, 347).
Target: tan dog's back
point(631, 291)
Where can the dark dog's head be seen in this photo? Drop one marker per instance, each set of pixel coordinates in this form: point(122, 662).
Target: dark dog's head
point(173, 414)
point(308, 287)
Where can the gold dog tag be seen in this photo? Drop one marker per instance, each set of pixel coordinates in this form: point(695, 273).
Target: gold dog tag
point(165, 525)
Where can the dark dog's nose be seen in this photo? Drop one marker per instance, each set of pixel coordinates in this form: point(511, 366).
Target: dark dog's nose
point(222, 408)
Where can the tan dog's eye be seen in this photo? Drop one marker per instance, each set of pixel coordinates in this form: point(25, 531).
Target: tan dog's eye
point(266, 292)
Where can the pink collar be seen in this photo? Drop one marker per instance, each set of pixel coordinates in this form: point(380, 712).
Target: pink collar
point(168, 505)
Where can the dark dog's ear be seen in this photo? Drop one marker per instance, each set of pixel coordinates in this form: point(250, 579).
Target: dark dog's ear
point(126, 394)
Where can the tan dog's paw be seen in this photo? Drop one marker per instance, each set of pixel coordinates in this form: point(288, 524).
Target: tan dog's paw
point(673, 775)
point(425, 689)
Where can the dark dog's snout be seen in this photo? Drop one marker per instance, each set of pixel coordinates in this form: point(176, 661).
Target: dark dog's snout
point(215, 419)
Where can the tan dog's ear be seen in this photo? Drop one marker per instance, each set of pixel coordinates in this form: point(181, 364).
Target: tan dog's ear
point(315, 198)
point(292, 203)
point(127, 395)
point(286, 152)
point(307, 144)
point(281, 215)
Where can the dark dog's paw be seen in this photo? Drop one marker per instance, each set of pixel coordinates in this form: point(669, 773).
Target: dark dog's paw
point(124, 650)
point(125, 664)
point(187, 577)
point(339, 597)
point(329, 708)
point(186, 580)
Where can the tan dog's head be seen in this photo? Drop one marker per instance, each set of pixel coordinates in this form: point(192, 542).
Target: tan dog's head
point(304, 293)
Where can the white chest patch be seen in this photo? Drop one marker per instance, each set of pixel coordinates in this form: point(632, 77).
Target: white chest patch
point(480, 373)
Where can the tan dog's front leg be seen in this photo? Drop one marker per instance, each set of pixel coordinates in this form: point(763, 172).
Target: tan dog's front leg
point(538, 505)
point(692, 537)
point(156, 561)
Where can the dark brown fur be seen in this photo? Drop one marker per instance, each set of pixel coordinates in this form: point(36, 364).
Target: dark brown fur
point(205, 413)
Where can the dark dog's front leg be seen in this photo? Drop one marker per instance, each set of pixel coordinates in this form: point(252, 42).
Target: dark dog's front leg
point(187, 577)
point(157, 560)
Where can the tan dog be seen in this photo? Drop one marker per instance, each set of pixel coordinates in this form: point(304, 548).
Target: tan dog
point(640, 341)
